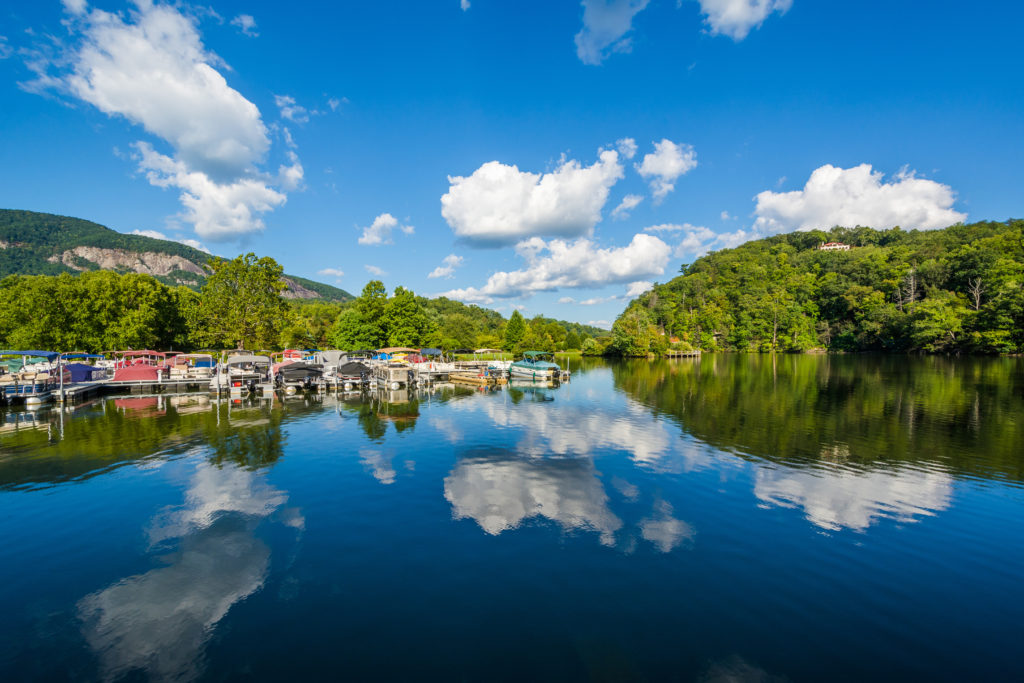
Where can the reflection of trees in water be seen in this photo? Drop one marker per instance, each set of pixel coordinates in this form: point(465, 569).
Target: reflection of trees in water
point(400, 408)
point(158, 622)
point(123, 430)
point(856, 410)
point(249, 435)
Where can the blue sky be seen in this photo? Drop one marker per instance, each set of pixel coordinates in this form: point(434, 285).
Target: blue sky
point(552, 156)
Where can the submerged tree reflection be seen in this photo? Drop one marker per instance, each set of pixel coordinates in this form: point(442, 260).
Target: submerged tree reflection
point(960, 414)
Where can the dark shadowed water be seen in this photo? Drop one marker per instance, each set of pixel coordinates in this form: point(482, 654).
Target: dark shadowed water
point(798, 518)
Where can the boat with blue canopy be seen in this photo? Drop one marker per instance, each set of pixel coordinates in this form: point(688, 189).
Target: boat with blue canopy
point(538, 365)
point(33, 385)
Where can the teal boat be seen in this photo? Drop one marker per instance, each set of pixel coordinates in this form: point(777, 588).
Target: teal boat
point(536, 365)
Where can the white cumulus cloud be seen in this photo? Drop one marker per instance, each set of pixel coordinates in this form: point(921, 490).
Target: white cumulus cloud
point(628, 203)
point(627, 147)
point(499, 204)
point(464, 4)
point(157, 235)
point(76, 7)
point(290, 110)
point(379, 232)
point(560, 264)
point(736, 18)
point(593, 301)
point(605, 25)
point(665, 164)
point(858, 196)
point(150, 67)
point(219, 211)
point(246, 24)
point(336, 273)
point(697, 239)
point(374, 270)
point(639, 287)
point(447, 269)
point(195, 244)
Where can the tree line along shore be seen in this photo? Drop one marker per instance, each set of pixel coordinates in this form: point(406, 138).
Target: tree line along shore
point(956, 290)
point(240, 306)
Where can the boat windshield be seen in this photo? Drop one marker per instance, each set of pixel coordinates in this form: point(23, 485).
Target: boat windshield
point(538, 356)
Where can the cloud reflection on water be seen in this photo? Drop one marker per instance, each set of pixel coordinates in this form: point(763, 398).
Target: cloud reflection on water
point(665, 531)
point(159, 621)
point(839, 498)
point(500, 491)
point(577, 430)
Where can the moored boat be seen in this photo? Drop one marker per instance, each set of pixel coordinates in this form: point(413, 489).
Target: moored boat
point(33, 385)
point(298, 376)
point(139, 366)
point(191, 366)
point(537, 365)
point(244, 373)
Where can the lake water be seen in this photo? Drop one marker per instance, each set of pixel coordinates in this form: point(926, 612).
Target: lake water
point(798, 518)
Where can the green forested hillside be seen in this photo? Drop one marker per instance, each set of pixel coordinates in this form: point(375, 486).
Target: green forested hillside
point(30, 241)
point(960, 289)
point(31, 238)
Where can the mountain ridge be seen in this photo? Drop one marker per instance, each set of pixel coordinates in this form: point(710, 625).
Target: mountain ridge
point(37, 243)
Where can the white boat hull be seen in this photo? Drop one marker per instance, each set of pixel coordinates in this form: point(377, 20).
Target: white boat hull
point(530, 373)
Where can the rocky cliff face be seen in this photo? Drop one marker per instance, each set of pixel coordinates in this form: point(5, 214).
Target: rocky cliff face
point(297, 291)
point(151, 263)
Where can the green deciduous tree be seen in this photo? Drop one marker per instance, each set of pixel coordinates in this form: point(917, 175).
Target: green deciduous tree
point(241, 305)
point(404, 320)
point(515, 329)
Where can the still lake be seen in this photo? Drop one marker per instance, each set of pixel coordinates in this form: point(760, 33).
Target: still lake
point(732, 517)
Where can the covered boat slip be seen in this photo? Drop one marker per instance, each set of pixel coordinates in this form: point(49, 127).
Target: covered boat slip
point(156, 373)
point(244, 373)
point(33, 385)
point(198, 366)
point(139, 366)
point(298, 375)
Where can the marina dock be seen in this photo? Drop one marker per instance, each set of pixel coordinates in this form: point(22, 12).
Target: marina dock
point(224, 377)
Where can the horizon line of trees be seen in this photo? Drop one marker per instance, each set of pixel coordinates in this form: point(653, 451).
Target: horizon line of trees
point(240, 306)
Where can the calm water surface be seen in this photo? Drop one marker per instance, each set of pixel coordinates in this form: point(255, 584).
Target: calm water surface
point(730, 518)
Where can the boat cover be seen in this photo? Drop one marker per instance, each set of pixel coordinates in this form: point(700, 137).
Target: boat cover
point(332, 357)
point(353, 370)
point(80, 372)
point(299, 371)
point(137, 373)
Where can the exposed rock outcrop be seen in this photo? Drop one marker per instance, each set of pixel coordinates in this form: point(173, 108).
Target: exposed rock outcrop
point(297, 291)
point(152, 263)
point(147, 262)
